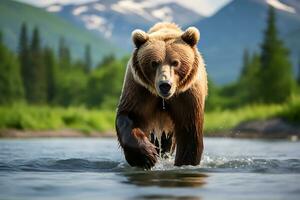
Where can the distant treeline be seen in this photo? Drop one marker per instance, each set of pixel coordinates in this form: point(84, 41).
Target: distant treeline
point(266, 77)
point(37, 75)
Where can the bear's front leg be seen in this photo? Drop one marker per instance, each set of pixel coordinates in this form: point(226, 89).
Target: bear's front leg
point(138, 150)
point(189, 145)
point(187, 111)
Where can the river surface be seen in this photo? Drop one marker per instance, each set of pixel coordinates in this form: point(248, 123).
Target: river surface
point(63, 169)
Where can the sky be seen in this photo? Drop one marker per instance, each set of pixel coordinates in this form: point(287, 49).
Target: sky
point(204, 7)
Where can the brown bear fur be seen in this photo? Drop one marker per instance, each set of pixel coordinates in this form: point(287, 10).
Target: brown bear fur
point(141, 111)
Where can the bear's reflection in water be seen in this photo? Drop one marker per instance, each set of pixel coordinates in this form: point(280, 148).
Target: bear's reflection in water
point(165, 178)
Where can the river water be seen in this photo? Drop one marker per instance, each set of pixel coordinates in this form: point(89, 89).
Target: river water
point(96, 169)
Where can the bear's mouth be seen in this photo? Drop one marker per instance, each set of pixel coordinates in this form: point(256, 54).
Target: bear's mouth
point(165, 96)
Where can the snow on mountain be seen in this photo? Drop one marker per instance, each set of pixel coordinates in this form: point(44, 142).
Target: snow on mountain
point(281, 6)
point(129, 6)
point(164, 14)
point(143, 9)
point(94, 22)
point(99, 7)
point(202, 7)
point(54, 8)
point(79, 10)
point(295, 4)
point(116, 19)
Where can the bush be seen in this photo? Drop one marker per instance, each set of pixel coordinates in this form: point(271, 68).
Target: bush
point(25, 117)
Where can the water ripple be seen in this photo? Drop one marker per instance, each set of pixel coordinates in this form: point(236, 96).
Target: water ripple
point(64, 165)
point(251, 165)
point(208, 164)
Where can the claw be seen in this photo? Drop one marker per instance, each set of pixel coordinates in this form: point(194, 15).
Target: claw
point(148, 165)
point(170, 135)
point(154, 140)
point(162, 146)
point(152, 137)
point(163, 136)
point(166, 143)
point(156, 143)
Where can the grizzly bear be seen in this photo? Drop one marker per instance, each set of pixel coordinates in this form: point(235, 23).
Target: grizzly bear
point(161, 107)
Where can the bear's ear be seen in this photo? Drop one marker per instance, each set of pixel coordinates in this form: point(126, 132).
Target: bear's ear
point(139, 37)
point(191, 36)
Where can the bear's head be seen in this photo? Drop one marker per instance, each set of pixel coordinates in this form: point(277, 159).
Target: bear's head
point(166, 62)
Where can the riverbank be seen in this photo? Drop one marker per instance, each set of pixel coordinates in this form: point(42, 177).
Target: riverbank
point(65, 133)
point(21, 120)
point(275, 128)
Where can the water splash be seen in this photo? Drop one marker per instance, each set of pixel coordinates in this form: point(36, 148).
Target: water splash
point(233, 164)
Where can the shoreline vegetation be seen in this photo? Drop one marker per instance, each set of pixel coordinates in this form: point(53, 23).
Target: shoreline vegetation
point(251, 121)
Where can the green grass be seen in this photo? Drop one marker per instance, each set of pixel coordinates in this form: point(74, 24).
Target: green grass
point(227, 119)
point(25, 117)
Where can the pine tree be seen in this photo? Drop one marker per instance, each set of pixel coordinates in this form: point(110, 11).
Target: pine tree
point(87, 59)
point(38, 93)
point(24, 59)
point(246, 61)
point(64, 54)
point(298, 77)
point(51, 72)
point(97, 91)
point(11, 87)
point(276, 76)
point(107, 60)
point(212, 101)
point(61, 46)
point(249, 80)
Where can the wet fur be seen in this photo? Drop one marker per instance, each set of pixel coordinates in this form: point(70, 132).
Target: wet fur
point(140, 111)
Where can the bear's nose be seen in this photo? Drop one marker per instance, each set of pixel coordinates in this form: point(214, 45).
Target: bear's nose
point(164, 88)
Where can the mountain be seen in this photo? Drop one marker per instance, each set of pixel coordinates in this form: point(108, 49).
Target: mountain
point(240, 25)
point(224, 36)
point(13, 14)
point(116, 19)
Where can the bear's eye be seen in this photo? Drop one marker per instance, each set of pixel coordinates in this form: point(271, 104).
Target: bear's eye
point(175, 63)
point(155, 63)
